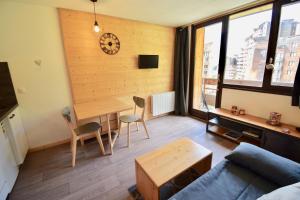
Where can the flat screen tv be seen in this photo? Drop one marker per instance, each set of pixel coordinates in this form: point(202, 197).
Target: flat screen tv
point(148, 61)
point(7, 93)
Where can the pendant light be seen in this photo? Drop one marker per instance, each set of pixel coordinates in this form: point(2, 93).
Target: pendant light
point(96, 25)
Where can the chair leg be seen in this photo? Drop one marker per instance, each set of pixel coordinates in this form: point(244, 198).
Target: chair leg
point(128, 134)
point(119, 131)
point(99, 139)
point(74, 149)
point(144, 124)
point(137, 126)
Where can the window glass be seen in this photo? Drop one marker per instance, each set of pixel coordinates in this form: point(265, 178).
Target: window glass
point(247, 45)
point(207, 53)
point(288, 46)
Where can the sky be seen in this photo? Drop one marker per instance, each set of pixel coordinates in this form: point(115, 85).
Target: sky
point(241, 28)
point(213, 34)
point(291, 11)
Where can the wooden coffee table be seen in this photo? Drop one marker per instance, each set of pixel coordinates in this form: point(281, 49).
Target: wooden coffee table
point(158, 167)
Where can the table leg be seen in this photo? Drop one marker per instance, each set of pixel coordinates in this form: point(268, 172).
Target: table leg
point(119, 130)
point(118, 117)
point(100, 121)
point(144, 184)
point(109, 133)
point(76, 124)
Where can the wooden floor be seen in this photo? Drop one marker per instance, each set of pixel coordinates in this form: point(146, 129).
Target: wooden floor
point(48, 174)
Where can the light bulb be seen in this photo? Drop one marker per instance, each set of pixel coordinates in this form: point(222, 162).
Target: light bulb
point(96, 27)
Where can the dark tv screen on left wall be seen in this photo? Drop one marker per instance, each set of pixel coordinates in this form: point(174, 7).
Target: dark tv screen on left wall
point(7, 93)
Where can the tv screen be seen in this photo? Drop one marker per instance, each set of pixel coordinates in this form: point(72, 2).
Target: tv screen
point(148, 61)
point(7, 93)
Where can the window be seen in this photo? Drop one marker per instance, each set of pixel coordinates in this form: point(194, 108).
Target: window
point(288, 45)
point(238, 51)
point(247, 47)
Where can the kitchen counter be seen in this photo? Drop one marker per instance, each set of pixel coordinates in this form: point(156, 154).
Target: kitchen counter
point(5, 112)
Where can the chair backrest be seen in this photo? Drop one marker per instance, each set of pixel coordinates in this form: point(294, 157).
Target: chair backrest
point(141, 103)
point(66, 114)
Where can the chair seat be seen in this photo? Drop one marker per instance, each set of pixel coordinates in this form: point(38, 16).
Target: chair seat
point(129, 118)
point(87, 128)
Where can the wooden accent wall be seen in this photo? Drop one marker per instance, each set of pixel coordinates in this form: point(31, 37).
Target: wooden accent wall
point(95, 75)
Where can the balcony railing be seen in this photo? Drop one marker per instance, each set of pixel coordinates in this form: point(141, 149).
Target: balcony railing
point(210, 87)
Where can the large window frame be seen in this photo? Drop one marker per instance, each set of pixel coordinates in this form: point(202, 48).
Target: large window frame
point(222, 59)
point(267, 87)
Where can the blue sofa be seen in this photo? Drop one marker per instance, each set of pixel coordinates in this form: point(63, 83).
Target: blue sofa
point(246, 174)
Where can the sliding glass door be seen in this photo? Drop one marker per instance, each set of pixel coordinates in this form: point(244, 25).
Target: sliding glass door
point(205, 69)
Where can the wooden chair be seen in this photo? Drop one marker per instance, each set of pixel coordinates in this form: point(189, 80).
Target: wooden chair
point(141, 103)
point(78, 133)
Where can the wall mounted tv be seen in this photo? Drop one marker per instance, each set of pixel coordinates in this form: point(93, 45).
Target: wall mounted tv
point(148, 61)
point(7, 93)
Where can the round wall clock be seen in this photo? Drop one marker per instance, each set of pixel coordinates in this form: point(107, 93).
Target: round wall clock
point(110, 43)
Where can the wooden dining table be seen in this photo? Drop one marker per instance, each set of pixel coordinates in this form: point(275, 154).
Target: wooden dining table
point(105, 107)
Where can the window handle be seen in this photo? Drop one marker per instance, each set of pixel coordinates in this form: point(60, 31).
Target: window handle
point(270, 65)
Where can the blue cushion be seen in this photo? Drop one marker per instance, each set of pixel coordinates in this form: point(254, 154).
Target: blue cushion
point(226, 181)
point(264, 163)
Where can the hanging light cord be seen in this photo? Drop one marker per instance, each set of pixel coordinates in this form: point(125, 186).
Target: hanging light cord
point(94, 11)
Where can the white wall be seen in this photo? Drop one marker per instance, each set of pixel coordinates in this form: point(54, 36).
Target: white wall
point(30, 32)
point(261, 104)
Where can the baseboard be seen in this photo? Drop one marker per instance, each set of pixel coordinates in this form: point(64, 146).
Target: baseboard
point(50, 145)
point(161, 115)
point(47, 146)
point(198, 118)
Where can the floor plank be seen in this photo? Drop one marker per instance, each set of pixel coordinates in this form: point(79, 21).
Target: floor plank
point(48, 174)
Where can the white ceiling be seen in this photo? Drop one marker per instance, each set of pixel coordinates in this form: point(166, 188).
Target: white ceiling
point(164, 12)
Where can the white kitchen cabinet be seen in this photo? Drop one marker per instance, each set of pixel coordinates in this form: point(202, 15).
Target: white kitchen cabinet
point(4, 189)
point(8, 167)
point(17, 137)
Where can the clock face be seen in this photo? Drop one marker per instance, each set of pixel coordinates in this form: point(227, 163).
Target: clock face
point(109, 43)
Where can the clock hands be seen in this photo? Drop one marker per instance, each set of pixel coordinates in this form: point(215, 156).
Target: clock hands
point(109, 43)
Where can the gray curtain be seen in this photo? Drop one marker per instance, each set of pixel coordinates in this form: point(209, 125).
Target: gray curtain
point(296, 88)
point(181, 70)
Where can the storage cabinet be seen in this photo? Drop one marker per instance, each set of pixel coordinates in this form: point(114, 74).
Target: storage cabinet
point(255, 130)
point(13, 149)
point(234, 130)
point(8, 166)
point(283, 145)
point(17, 137)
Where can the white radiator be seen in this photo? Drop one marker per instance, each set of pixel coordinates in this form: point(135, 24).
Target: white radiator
point(163, 103)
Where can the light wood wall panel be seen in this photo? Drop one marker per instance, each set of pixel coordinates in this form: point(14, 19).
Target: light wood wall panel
point(95, 75)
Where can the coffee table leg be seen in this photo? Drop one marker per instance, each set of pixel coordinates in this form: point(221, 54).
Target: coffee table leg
point(144, 185)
